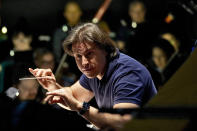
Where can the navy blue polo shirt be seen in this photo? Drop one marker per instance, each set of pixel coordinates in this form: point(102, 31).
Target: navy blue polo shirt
point(125, 81)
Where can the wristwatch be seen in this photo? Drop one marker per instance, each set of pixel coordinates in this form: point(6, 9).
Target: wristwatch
point(85, 108)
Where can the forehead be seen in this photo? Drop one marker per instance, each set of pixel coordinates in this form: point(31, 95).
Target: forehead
point(136, 6)
point(29, 84)
point(19, 35)
point(71, 6)
point(47, 56)
point(158, 50)
point(82, 47)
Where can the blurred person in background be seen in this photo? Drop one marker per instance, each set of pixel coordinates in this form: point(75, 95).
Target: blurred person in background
point(105, 27)
point(179, 56)
point(72, 14)
point(172, 39)
point(22, 52)
point(162, 51)
point(137, 11)
point(27, 89)
point(136, 35)
point(21, 39)
point(23, 90)
point(44, 58)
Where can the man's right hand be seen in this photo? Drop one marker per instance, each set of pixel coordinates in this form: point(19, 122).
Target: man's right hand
point(48, 83)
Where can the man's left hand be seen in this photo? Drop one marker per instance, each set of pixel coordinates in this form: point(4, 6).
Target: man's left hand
point(65, 97)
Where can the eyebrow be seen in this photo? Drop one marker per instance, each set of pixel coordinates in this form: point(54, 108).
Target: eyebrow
point(88, 50)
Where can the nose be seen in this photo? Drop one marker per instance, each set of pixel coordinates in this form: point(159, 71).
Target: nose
point(84, 61)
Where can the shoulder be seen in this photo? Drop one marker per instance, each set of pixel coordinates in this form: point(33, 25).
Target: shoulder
point(127, 63)
point(126, 66)
point(84, 80)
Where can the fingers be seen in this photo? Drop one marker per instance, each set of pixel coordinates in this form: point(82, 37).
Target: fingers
point(32, 71)
point(57, 99)
point(49, 79)
point(59, 92)
point(54, 99)
point(48, 72)
point(41, 72)
point(46, 99)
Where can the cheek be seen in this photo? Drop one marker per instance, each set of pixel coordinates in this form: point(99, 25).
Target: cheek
point(24, 94)
point(163, 60)
point(95, 61)
point(101, 62)
point(79, 65)
point(156, 60)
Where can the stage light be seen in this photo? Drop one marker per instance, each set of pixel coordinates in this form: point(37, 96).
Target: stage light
point(64, 28)
point(134, 24)
point(4, 30)
point(123, 23)
point(17, 93)
point(12, 53)
point(95, 20)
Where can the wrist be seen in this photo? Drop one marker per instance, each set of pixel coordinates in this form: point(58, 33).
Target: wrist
point(54, 87)
point(58, 86)
point(84, 108)
point(79, 106)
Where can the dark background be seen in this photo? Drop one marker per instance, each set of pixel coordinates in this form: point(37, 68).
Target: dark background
point(45, 15)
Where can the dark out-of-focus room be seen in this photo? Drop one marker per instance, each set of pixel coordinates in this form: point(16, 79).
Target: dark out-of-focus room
point(98, 64)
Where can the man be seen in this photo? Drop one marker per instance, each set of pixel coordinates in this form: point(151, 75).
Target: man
point(21, 53)
point(72, 14)
point(44, 58)
point(23, 90)
point(135, 37)
point(116, 80)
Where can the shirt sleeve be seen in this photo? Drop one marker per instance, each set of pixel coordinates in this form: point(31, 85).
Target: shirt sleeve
point(84, 82)
point(129, 88)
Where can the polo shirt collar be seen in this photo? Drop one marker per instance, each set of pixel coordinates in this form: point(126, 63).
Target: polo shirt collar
point(111, 66)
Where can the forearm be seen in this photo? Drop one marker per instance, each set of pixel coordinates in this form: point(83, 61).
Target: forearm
point(55, 87)
point(63, 106)
point(105, 120)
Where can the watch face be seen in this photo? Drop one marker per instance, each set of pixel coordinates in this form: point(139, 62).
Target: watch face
point(85, 108)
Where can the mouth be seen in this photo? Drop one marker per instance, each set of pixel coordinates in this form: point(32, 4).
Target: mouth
point(87, 70)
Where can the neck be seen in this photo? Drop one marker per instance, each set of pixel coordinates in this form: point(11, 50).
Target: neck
point(100, 75)
point(140, 22)
point(23, 48)
point(71, 24)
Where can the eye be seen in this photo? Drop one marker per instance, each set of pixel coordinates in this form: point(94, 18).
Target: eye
point(89, 54)
point(78, 56)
